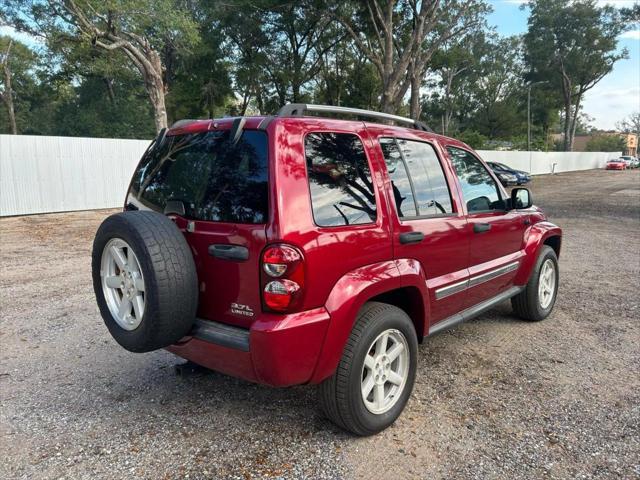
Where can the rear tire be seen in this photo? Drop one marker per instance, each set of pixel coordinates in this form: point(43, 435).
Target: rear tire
point(163, 281)
point(536, 301)
point(390, 368)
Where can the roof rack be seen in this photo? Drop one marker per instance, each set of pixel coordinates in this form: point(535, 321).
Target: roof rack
point(299, 109)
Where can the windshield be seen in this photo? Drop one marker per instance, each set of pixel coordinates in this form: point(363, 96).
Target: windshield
point(214, 179)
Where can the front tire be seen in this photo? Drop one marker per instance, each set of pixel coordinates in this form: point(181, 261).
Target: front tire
point(376, 373)
point(536, 301)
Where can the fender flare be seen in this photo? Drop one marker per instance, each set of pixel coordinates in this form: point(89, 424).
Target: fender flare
point(348, 296)
point(534, 238)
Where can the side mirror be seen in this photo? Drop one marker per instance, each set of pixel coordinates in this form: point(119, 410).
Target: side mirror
point(521, 198)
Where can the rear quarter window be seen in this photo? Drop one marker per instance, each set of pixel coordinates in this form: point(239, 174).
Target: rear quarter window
point(339, 180)
point(214, 179)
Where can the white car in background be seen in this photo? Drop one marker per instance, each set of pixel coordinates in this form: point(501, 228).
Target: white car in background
point(632, 162)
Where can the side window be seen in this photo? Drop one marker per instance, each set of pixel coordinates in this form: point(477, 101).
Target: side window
point(339, 180)
point(428, 185)
point(480, 191)
point(402, 189)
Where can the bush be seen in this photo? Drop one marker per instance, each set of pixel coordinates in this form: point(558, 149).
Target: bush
point(606, 143)
point(472, 138)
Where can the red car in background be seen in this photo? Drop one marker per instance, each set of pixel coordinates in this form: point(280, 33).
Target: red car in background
point(616, 164)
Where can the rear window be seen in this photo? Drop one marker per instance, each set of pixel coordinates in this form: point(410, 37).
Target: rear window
point(339, 180)
point(214, 179)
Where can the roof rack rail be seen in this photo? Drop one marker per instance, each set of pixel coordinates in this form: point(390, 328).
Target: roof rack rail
point(299, 109)
point(183, 122)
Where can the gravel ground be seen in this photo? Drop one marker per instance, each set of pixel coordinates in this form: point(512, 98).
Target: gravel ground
point(494, 398)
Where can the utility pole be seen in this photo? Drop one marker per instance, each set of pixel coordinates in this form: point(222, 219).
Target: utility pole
point(529, 119)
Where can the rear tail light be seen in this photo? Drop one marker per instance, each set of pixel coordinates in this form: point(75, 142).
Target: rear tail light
point(282, 277)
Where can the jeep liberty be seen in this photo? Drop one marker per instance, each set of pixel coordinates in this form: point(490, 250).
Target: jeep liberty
point(302, 248)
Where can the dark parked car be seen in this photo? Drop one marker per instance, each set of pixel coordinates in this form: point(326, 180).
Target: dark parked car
point(509, 176)
point(296, 249)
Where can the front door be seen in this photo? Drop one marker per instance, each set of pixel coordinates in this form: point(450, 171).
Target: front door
point(428, 226)
point(496, 234)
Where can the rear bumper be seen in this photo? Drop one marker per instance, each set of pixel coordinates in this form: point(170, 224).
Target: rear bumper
point(278, 350)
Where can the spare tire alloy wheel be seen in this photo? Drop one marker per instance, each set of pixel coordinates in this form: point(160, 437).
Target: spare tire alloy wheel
point(122, 283)
point(145, 280)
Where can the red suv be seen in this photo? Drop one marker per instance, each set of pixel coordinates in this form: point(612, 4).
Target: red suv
point(299, 249)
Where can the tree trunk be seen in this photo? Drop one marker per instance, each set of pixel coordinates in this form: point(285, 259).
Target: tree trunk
point(156, 90)
point(574, 121)
point(567, 125)
point(387, 101)
point(110, 93)
point(7, 96)
point(414, 105)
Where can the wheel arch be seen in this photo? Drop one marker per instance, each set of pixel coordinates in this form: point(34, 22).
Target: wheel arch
point(537, 236)
point(386, 282)
point(408, 299)
point(555, 242)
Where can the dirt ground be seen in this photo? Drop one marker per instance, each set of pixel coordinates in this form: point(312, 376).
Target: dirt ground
point(495, 398)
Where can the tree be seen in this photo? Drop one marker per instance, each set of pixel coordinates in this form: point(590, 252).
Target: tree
point(631, 124)
point(573, 46)
point(606, 143)
point(498, 88)
point(18, 65)
point(478, 87)
point(7, 92)
point(399, 37)
point(454, 66)
point(145, 31)
point(278, 48)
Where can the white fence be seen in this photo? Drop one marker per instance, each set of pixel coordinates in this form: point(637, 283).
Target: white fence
point(539, 163)
point(55, 174)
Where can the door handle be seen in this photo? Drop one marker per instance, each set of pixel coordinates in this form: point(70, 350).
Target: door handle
point(481, 227)
point(411, 237)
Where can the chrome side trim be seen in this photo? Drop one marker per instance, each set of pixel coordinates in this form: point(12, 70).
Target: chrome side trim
point(474, 311)
point(451, 289)
point(490, 275)
point(473, 281)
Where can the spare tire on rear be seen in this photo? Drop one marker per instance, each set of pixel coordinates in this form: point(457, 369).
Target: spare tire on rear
point(145, 280)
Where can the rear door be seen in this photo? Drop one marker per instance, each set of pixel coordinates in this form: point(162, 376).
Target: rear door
point(496, 234)
point(428, 225)
point(216, 191)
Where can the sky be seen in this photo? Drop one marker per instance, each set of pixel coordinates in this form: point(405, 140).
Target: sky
point(617, 95)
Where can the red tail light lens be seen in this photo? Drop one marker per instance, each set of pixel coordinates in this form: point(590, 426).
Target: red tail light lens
point(282, 277)
point(279, 294)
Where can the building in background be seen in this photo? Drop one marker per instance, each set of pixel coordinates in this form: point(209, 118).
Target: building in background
point(580, 142)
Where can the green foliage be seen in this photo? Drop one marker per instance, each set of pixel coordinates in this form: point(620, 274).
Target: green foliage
point(571, 46)
point(251, 56)
point(24, 65)
point(472, 138)
point(606, 143)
